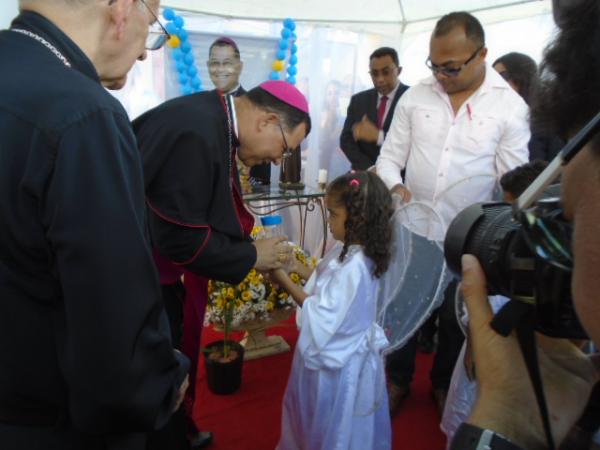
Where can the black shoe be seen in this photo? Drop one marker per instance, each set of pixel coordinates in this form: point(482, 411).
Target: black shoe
point(201, 439)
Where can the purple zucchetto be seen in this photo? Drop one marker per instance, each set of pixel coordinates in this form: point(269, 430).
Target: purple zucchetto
point(227, 41)
point(287, 93)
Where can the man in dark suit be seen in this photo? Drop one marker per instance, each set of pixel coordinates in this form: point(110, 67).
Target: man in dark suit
point(370, 112)
point(225, 67)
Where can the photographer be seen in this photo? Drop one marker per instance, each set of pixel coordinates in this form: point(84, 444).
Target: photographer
point(506, 403)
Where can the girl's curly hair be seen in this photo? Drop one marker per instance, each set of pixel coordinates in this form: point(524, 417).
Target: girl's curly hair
point(368, 204)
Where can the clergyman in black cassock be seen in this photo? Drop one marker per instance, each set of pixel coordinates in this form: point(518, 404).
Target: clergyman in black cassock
point(86, 361)
point(199, 225)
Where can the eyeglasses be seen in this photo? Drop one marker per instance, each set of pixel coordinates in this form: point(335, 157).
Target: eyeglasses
point(548, 234)
point(158, 34)
point(451, 72)
point(287, 151)
point(386, 72)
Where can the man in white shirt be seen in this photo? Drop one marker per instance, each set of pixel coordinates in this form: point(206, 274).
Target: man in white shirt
point(455, 133)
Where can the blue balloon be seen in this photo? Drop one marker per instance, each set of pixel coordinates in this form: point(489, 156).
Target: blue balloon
point(178, 21)
point(283, 44)
point(281, 55)
point(293, 60)
point(177, 54)
point(292, 70)
point(192, 71)
point(183, 35)
point(181, 67)
point(291, 80)
point(289, 24)
point(188, 59)
point(274, 75)
point(183, 78)
point(294, 37)
point(168, 14)
point(285, 33)
point(196, 83)
point(187, 90)
point(294, 49)
point(171, 28)
point(185, 47)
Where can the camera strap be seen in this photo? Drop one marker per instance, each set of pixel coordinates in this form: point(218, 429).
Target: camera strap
point(520, 316)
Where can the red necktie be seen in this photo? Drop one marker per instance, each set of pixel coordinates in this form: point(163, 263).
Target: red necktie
point(381, 111)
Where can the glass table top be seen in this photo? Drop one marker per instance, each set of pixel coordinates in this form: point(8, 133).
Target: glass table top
point(274, 192)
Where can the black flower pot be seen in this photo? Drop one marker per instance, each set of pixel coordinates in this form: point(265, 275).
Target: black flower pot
point(224, 377)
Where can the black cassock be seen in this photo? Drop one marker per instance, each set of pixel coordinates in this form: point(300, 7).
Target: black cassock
point(191, 186)
point(85, 354)
point(199, 226)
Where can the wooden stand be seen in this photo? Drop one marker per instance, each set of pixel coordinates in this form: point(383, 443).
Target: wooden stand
point(256, 343)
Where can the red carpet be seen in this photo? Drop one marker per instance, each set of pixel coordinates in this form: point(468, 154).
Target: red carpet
point(250, 418)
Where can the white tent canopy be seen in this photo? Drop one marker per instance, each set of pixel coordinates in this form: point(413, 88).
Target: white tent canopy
point(381, 16)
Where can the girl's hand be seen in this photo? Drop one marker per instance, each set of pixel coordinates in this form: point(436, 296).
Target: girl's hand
point(277, 275)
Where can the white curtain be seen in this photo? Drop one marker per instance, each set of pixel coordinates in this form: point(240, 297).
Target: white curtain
point(8, 11)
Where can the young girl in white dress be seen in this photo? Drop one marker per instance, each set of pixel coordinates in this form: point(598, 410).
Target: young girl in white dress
point(336, 396)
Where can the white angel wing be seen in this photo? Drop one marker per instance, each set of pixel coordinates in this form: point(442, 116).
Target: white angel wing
point(415, 282)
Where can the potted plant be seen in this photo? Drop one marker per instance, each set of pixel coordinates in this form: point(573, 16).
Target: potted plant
point(252, 305)
point(223, 359)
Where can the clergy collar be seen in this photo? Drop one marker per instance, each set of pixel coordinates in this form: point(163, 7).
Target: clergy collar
point(234, 118)
point(38, 24)
point(234, 90)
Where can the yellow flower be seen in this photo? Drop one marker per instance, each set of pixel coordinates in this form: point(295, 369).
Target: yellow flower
point(256, 231)
point(254, 295)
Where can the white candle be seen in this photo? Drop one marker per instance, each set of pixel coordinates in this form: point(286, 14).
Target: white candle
point(322, 178)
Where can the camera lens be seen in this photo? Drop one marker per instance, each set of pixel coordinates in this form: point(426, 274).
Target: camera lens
point(515, 266)
point(485, 230)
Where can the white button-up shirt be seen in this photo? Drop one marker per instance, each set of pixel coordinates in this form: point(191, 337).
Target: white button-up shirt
point(453, 161)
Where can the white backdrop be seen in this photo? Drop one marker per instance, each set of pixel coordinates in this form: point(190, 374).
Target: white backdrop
point(8, 10)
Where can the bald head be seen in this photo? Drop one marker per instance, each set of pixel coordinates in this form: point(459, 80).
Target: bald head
point(34, 5)
point(111, 33)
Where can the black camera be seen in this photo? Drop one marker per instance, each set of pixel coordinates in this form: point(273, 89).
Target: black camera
point(524, 257)
point(525, 248)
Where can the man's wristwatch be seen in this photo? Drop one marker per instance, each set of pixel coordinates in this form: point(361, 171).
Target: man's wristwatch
point(470, 437)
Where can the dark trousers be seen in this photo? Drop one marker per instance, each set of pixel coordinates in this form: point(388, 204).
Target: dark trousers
point(173, 436)
point(400, 365)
